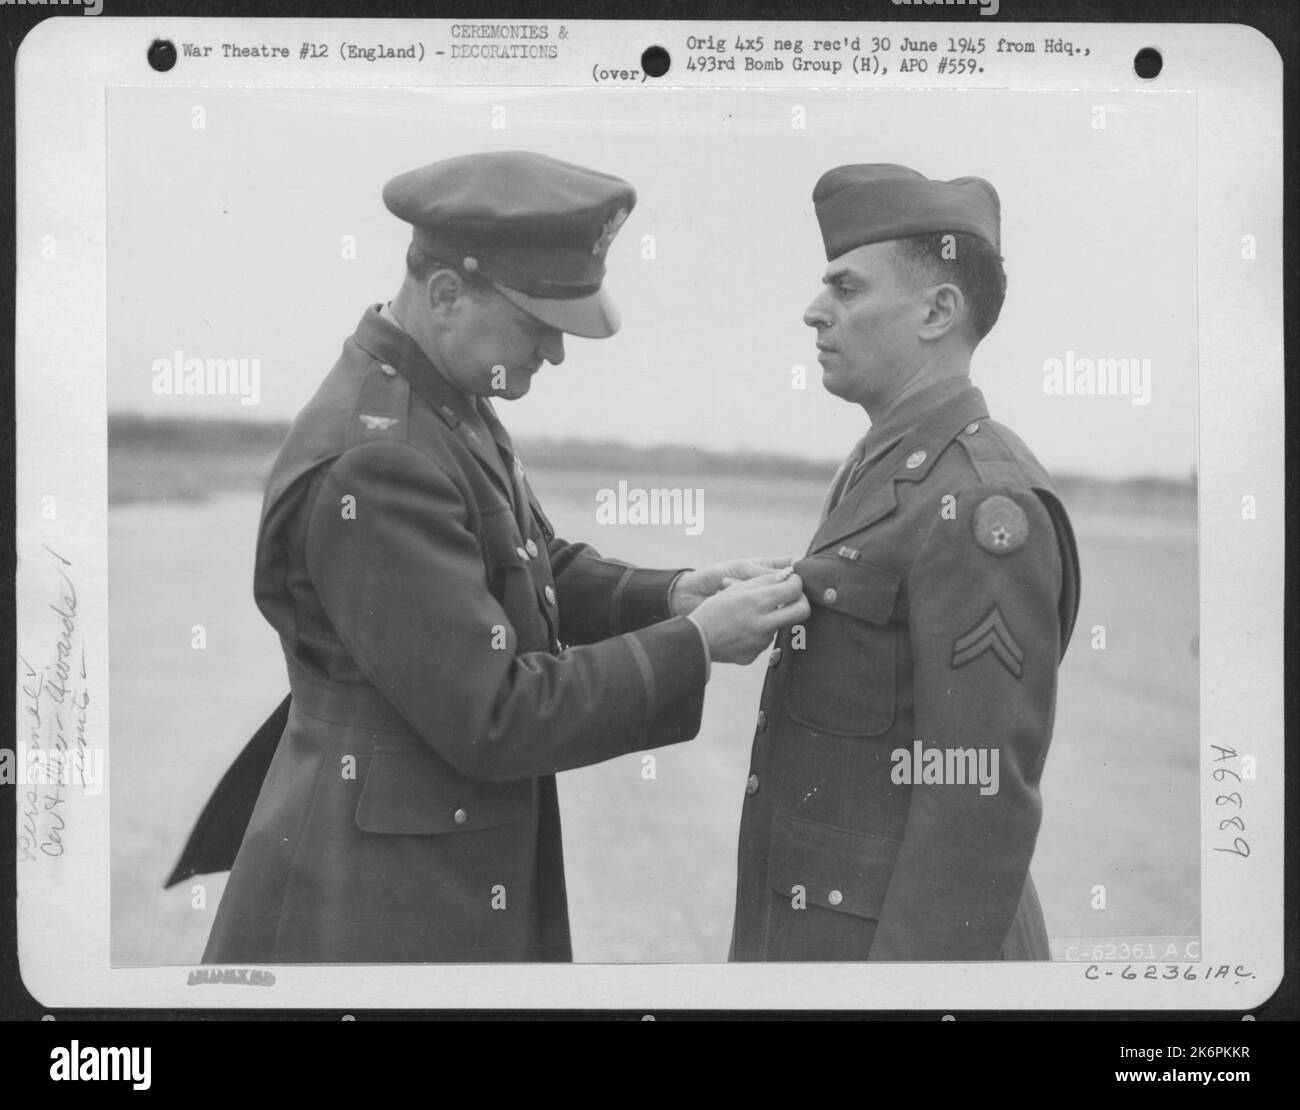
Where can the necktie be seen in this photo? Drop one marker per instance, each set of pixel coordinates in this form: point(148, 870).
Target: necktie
point(850, 472)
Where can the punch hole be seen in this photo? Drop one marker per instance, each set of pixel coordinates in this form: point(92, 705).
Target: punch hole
point(162, 55)
point(1148, 63)
point(655, 61)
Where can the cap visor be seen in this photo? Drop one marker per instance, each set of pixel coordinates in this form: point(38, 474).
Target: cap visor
point(592, 317)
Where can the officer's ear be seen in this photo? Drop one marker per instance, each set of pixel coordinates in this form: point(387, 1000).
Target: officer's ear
point(443, 289)
point(945, 308)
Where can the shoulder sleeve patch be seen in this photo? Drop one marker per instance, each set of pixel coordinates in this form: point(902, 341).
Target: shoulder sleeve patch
point(1000, 525)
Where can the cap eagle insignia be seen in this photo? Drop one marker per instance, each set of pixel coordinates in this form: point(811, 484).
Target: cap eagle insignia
point(608, 232)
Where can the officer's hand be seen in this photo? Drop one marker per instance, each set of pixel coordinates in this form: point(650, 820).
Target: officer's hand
point(739, 622)
point(696, 586)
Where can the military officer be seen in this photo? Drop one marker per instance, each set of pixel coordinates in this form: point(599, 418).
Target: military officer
point(892, 801)
point(447, 653)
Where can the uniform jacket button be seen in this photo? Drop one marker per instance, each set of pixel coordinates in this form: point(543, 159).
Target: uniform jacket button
point(550, 595)
point(751, 785)
point(972, 427)
point(774, 658)
point(387, 371)
point(762, 721)
point(521, 553)
point(531, 548)
point(460, 816)
point(829, 595)
point(835, 897)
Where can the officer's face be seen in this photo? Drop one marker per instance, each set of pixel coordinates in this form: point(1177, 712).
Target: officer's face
point(867, 322)
point(491, 348)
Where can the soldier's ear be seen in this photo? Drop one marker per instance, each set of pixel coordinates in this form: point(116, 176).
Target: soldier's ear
point(443, 289)
point(946, 307)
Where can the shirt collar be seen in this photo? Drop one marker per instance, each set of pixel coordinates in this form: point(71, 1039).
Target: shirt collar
point(912, 411)
point(382, 337)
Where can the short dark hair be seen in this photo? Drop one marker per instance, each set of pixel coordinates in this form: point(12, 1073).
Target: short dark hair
point(422, 264)
point(969, 263)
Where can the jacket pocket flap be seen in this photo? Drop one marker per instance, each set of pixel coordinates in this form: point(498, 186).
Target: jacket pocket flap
point(548, 529)
point(857, 589)
point(414, 792)
point(837, 869)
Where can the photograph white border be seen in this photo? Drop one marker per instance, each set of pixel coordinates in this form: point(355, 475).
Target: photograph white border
point(63, 69)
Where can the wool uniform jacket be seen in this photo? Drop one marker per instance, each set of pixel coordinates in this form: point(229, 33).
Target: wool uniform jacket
point(447, 654)
point(944, 587)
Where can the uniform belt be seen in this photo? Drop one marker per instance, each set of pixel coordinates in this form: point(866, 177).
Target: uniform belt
point(343, 703)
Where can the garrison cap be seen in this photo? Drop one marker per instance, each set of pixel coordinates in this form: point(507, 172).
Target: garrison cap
point(862, 204)
point(535, 227)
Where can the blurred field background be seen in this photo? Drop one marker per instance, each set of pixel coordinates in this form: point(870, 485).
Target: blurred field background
point(651, 864)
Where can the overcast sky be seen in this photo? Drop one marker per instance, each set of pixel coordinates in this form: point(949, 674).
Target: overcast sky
point(226, 241)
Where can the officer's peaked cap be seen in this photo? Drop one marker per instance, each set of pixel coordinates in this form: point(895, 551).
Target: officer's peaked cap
point(536, 227)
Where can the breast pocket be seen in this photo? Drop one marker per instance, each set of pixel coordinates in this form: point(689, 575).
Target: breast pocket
point(543, 521)
point(844, 678)
point(503, 549)
point(510, 579)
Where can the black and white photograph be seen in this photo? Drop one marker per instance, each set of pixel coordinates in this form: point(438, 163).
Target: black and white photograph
point(426, 422)
point(640, 524)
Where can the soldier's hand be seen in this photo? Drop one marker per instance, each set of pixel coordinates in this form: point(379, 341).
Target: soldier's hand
point(695, 586)
point(740, 621)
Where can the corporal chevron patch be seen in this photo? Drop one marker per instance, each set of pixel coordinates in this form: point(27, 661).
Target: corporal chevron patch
point(991, 634)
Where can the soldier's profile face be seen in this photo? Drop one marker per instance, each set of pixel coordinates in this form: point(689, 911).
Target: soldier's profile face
point(490, 348)
point(867, 322)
